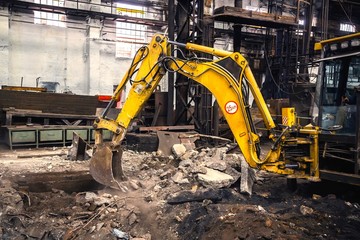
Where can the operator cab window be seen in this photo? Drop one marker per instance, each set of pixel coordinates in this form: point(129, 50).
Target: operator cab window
point(340, 78)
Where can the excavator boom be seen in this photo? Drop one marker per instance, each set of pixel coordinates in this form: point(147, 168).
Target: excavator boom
point(229, 79)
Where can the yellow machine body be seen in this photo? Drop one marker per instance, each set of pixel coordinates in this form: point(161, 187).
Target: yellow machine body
point(288, 117)
point(227, 86)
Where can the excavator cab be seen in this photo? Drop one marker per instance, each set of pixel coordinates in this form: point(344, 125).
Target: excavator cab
point(337, 107)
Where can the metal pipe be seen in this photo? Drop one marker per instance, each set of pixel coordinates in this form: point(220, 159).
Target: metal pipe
point(209, 50)
point(203, 49)
point(106, 110)
point(177, 43)
point(292, 166)
point(274, 146)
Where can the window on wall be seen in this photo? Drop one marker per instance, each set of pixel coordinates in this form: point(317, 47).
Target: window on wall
point(129, 36)
point(347, 27)
point(301, 27)
point(49, 18)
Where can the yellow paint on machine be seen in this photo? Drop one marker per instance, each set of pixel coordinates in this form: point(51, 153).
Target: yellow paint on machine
point(288, 116)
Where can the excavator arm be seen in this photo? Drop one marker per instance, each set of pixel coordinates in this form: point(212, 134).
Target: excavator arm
point(105, 164)
point(229, 79)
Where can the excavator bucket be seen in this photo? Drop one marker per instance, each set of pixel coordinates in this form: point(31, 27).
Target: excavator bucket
point(105, 166)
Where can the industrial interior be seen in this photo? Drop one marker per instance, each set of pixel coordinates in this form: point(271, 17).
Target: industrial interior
point(186, 119)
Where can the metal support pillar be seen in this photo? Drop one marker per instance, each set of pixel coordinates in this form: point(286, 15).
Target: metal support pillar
point(324, 19)
point(182, 18)
point(205, 32)
point(237, 37)
point(306, 40)
point(216, 121)
point(171, 77)
point(279, 42)
point(357, 144)
point(192, 27)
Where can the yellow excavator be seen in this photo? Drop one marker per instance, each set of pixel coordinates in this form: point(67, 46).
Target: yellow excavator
point(294, 149)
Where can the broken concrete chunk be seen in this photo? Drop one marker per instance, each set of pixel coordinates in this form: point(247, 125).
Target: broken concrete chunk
point(120, 234)
point(261, 209)
point(92, 229)
point(112, 210)
point(184, 181)
point(248, 177)
point(147, 236)
point(189, 146)
point(216, 165)
point(189, 155)
point(316, 197)
point(149, 198)
point(202, 154)
point(179, 178)
point(186, 163)
point(198, 169)
point(178, 219)
point(132, 218)
point(157, 187)
point(134, 184)
point(90, 196)
point(199, 196)
point(185, 156)
point(106, 195)
point(306, 210)
point(178, 150)
point(264, 194)
point(99, 201)
point(233, 160)
point(144, 166)
point(35, 231)
point(233, 172)
point(99, 226)
point(166, 174)
point(93, 198)
point(219, 152)
point(215, 179)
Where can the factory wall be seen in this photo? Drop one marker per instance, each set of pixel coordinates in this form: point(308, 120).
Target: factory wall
point(79, 62)
point(4, 50)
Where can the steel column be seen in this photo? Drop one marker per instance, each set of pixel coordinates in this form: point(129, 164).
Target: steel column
point(171, 77)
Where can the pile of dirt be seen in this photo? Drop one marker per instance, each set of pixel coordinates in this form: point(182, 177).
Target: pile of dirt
point(169, 198)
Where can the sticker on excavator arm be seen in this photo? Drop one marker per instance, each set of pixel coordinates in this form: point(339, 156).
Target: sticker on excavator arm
point(231, 107)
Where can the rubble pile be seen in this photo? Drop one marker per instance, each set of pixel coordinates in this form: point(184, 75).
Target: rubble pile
point(59, 215)
point(212, 168)
point(192, 194)
point(209, 168)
